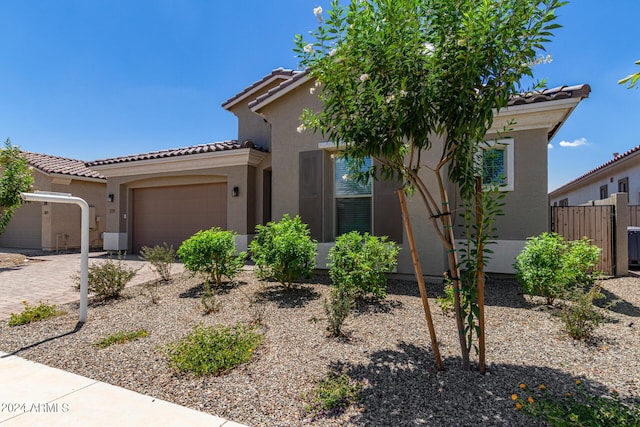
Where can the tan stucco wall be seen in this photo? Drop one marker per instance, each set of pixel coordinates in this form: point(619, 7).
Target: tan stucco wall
point(61, 222)
point(287, 143)
point(526, 209)
point(241, 210)
point(250, 125)
point(283, 115)
point(54, 226)
point(25, 228)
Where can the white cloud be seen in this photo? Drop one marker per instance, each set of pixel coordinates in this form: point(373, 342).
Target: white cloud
point(575, 143)
point(549, 146)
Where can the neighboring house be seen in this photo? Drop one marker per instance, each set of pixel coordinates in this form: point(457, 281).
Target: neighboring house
point(272, 170)
point(53, 226)
point(621, 174)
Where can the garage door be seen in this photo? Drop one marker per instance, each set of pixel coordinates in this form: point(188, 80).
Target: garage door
point(172, 214)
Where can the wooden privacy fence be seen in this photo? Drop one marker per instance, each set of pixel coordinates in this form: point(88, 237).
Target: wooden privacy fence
point(594, 222)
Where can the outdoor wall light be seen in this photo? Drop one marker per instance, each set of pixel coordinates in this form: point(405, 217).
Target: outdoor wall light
point(110, 198)
point(235, 191)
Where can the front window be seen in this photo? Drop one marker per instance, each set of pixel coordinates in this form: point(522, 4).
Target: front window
point(498, 164)
point(493, 165)
point(353, 199)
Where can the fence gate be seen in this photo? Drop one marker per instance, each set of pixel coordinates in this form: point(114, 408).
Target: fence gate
point(595, 222)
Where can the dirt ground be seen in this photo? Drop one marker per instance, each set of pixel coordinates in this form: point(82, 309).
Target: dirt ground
point(11, 260)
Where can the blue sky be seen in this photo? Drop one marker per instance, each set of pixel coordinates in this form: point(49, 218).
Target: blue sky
point(90, 79)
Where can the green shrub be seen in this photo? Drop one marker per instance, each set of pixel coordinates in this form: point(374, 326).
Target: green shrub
point(360, 262)
point(107, 279)
point(284, 250)
point(161, 259)
point(122, 337)
point(36, 313)
point(548, 265)
point(446, 302)
point(579, 315)
point(579, 261)
point(579, 409)
point(337, 308)
point(331, 395)
point(212, 253)
point(213, 350)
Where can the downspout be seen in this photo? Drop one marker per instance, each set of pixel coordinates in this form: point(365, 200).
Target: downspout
point(46, 196)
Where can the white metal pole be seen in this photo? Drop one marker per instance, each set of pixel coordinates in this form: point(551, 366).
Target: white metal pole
point(44, 196)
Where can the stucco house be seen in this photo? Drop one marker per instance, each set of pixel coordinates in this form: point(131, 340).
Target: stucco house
point(272, 170)
point(52, 227)
point(620, 174)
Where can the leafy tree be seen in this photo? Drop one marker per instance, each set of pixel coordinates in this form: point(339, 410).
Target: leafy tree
point(16, 178)
point(401, 77)
point(632, 79)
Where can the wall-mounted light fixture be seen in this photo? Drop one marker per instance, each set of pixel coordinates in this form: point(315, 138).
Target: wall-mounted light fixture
point(110, 198)
point(235, 192)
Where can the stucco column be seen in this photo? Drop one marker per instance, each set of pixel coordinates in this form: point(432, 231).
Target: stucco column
point(621, 203)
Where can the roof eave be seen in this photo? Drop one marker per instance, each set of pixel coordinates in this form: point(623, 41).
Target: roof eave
point(244, 95)
point(280, 93)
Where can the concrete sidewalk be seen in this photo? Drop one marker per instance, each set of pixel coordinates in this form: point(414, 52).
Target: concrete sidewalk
point(37, 395)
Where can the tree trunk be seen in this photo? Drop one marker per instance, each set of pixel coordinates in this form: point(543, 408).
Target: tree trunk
point(480, 277)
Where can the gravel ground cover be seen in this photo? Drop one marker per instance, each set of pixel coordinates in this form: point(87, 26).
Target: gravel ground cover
point(386, 348)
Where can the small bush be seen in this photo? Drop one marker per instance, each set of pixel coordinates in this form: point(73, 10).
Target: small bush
point(161, 259)
point(360, 262)
point(212, 253)
point(122, 337)
point(284, 250)
point(213, 350)
point(579, 261)
point(446, 303)
point(332, 394)
point(337, 308)
point(107, 279)
point(578, 409)
point(36, 313)
point(548, 265)
point(579, 315)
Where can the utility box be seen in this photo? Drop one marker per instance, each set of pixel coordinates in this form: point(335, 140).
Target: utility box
point(634, 246)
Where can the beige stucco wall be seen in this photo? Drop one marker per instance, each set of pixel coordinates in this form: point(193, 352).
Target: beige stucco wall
point(25, 228)
point(526, 209)
point(241, 210)
point(55, 226)
point(61, 222)
point(250, 125)
point(287, 143)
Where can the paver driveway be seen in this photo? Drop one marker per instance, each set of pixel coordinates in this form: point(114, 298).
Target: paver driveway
point(47, 279)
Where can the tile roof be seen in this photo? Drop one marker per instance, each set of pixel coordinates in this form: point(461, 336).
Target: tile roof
point(278, 73)
point(60, 165)
point(183, 151)
point(557, 93)
point(617, 158)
